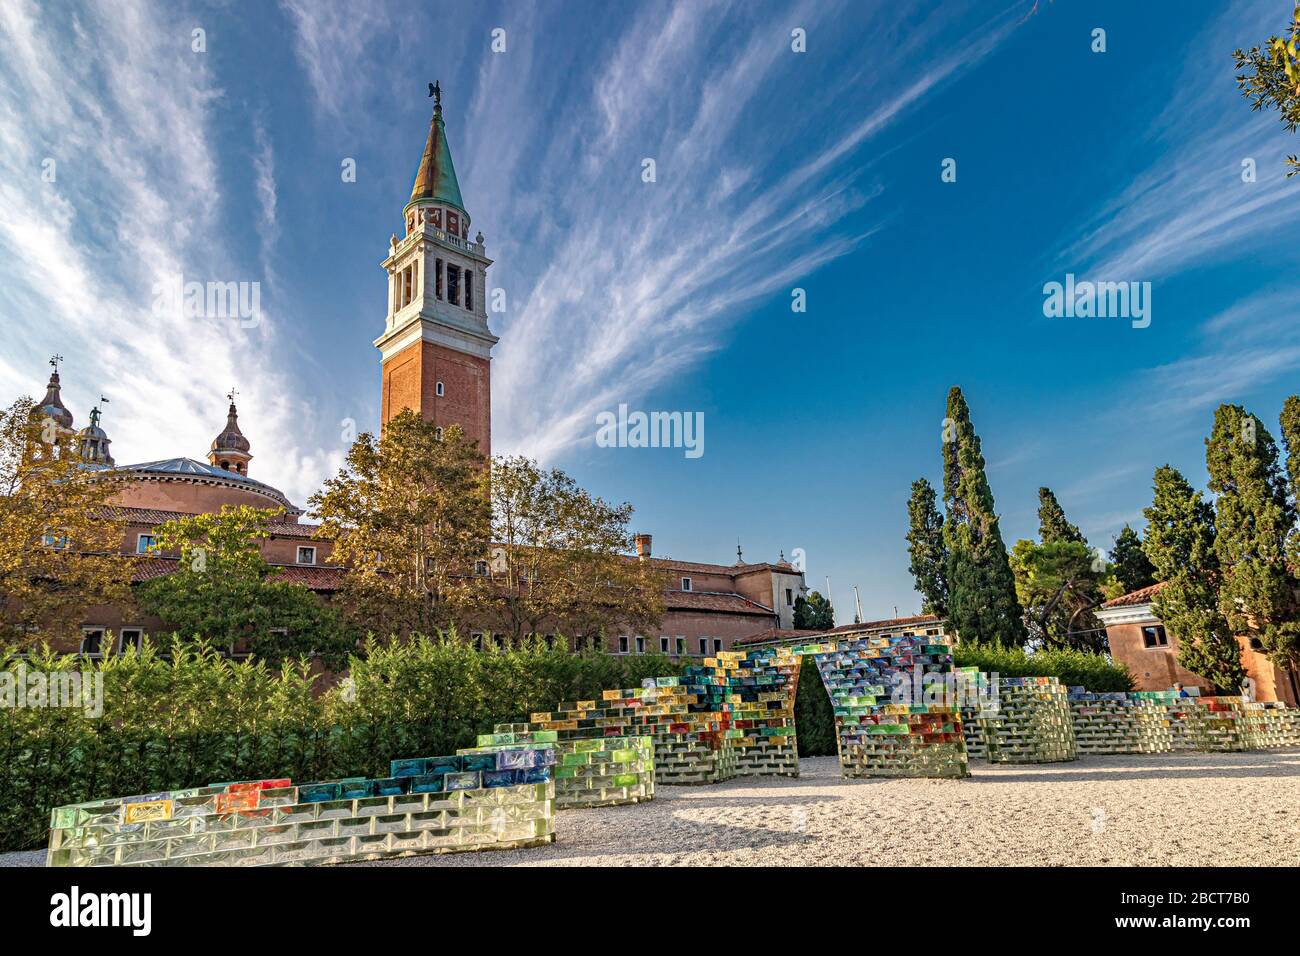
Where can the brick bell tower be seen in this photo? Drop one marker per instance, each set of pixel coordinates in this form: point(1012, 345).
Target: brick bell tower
point(436, 350)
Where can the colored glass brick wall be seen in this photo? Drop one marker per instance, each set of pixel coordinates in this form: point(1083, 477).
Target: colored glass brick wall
point(592, 772)
point(498, 800)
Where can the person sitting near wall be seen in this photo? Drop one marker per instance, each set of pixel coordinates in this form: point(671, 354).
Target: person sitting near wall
point(1180, 690)
point(1248, 689)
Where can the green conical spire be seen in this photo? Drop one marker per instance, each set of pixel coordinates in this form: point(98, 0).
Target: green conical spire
point(436, 177)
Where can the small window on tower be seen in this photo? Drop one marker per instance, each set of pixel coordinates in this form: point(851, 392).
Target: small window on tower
point(469, 289)
point(453, 285)
point(438, 390)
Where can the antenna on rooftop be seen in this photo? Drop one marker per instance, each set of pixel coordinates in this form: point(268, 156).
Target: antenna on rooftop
point(857, 605)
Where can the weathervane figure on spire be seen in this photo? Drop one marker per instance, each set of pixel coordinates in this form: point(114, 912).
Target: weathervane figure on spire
point(231, 394)
point(435, 90)
point(54, 361)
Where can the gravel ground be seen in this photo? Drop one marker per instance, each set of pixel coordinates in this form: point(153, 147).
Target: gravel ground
point(1154, 810)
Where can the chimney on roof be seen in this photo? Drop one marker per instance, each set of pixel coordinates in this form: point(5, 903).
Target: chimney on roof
point(642, 545)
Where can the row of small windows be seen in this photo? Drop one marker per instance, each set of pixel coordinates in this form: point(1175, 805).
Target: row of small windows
point(672, 646)
point(146, 543)
point(98, 641)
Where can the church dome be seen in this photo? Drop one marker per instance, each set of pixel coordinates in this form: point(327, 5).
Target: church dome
point(186, 485)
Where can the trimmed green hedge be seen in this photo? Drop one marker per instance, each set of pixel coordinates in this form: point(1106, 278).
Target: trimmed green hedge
point(191, 717)
point(813, 716)
point(1096, 672)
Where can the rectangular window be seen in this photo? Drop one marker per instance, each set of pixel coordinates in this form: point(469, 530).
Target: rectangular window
point(932, 632)
point(500, 640)
point(622, 644)
point(143, 543)
point(717, 645)
point(439, 390)
point(437, 278)
point(476, 638)
point(663, 645)
point(306, 555)
point(92, 641)
point(1154, 635)
point(789, 596)
point(686, 584)
point(481, 568)
point(640, 645)
point(453, 285)
point(681, 647)
point(704, 647)
point(550, 642)
point(469, 289)
point(130, 639)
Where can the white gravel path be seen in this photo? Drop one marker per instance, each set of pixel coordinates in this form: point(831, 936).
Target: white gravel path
point(1162, 810)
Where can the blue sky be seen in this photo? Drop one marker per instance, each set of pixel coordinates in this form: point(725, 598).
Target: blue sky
point(775, 170)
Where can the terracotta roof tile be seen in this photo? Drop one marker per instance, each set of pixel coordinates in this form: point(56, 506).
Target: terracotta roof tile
point(774, 634)
point(714, 601)
point(1136, 598)
point(318, 578)
point(156, 516)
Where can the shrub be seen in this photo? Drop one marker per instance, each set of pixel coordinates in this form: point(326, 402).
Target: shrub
point(185, 716)
point(1074, 668)
point(813, 716)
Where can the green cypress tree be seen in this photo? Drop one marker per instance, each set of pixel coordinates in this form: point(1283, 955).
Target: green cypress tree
point(925, 545)
point(814, 613)
point(982, 603)
point(1254, 519)
point(1133, 569)
point(1180, 545)
point(1053, 526)
point(1291, 441)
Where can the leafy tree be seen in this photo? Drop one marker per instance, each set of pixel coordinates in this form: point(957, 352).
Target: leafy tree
point(1179, 542)
point(814, 613)
point(409, 517)
point(59, 553)
point(1132, 568)
point(560, 559)
point(223, 590)
point(1254, 520)
point(1053, 526)
point(1272, 79)
point(1058, 584)
point(1291, 442)
point(925, 545)
point(982, 603)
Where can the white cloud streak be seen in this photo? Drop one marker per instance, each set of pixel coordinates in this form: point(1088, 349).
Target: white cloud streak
point(114, 94)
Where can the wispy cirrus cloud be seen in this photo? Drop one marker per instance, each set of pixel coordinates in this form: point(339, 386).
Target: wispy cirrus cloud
point(1191, 204)
point(116, 98)
point(647, 276)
